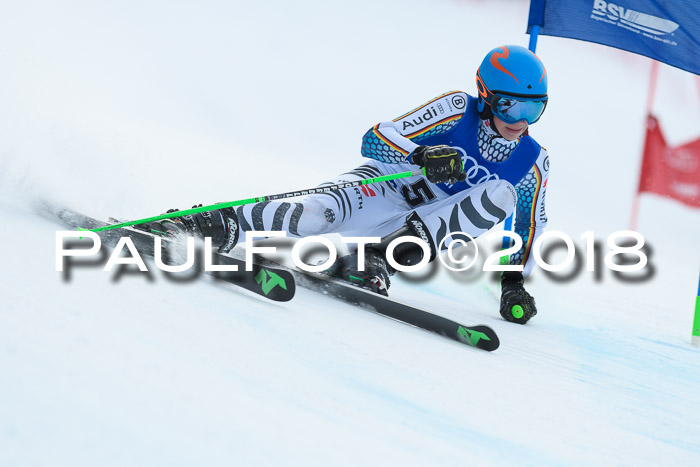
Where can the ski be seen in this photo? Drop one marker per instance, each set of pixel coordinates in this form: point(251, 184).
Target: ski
point(278, 282)
point(479, 336)
point(272, 283)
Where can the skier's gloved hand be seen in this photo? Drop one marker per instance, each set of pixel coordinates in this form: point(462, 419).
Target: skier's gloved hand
point(442, 164)
point(517, 306)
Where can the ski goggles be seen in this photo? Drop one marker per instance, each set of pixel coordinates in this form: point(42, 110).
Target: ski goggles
point(513, 109)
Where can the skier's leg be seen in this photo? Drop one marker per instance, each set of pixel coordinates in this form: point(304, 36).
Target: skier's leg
point(354, 209)
point(472, 212)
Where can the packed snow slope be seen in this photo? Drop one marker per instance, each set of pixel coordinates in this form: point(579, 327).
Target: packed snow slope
point(128, 108)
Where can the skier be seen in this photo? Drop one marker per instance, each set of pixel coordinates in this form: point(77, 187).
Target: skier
point(480, 166)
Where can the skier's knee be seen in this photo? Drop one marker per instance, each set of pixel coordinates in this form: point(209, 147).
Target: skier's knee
point(499, 199)
point(317, 218)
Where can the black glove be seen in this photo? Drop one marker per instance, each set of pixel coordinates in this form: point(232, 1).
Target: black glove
point(517, 306)
point(442, 164)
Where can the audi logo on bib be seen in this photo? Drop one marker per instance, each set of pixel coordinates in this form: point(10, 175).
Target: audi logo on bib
point(476, 174)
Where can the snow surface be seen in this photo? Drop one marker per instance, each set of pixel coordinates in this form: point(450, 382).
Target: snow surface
point(128, 108)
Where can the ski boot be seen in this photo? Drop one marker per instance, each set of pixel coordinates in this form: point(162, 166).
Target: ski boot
point(517, 306)
point(221, 225)
point(375, 276)
point(377, 271)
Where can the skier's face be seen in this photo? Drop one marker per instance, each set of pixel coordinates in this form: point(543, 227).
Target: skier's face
point(510, 131)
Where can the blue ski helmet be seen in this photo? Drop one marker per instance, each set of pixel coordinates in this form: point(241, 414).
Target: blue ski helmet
point(512, 84)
